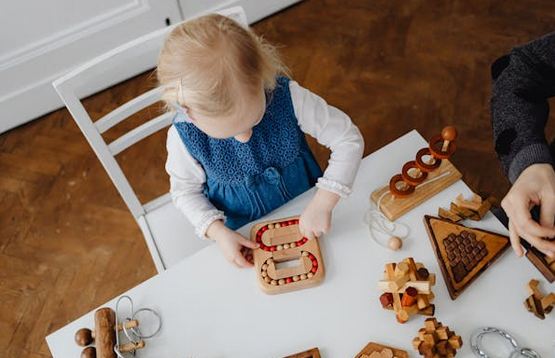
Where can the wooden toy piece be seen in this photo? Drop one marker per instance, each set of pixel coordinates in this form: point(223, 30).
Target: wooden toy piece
point(84, 337)
point(436, 341)
point(473, 209)
point(376, 350)
point(420, 179)
point(281, 243)
point(538, 303)
point(407, 289)
point(311, 353)
point(545, 265)
point(88, 352)
point(463, 253)
point(395, 243)
point(105, 334)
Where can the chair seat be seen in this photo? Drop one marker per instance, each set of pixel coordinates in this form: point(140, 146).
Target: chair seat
point(172, 233)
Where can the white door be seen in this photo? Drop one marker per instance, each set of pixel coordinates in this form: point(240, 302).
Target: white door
point(41, 40)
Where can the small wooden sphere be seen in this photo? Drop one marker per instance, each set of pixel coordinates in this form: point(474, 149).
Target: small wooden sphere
point(449, 133)
point(395, 243)
point(83, 337)
point(89, 352)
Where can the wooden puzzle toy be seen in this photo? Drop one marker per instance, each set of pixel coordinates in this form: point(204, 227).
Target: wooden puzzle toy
point(473, 209)
point(420, 179)
point(538, 303)
point(281, 244)
point(463, 253)
point(477, 343)
point(436, 341)
point(544, 264)
point(107, 330)
point(407, 288)
point(104, 336)
point(311, 353)
point(375, 350)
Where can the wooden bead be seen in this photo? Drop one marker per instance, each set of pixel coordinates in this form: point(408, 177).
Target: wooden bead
point(303, 276)
point(293, 244)
point(89, 352)
point(264, 267)
point(267, 279)
point(279, 247)
point(395, 243)
point(310, 275)
point(304, 253)
point(83, 337)
point(277, 225)
point(273, 282)
point(285, 246)
point(296, 278)
point(270, 226)
point(281, 282)
point(264, 274)
point(449, 133)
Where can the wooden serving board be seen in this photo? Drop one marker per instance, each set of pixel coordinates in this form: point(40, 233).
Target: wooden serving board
point(378, 348)
point(439, 230)
point(286, 261)
point(393, 208)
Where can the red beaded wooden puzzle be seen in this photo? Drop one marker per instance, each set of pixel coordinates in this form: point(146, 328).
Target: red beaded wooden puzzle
point(286, 261)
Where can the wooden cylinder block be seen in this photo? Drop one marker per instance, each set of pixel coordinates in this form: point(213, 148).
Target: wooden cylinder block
point(105, 333)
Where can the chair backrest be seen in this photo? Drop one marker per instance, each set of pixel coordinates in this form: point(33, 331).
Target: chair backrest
point(68, 88)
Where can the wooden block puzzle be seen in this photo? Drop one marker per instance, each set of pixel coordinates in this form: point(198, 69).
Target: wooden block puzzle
point(281, 244)
point(474, 208)
point(463, 253)
point(311, 353)
point(375, 350)
point(544, 264)
point(420, 179)
point(436, 341)
point(407, 288)
point(538, 303)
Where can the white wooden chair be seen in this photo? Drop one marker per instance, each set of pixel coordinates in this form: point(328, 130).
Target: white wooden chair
point(168, 235)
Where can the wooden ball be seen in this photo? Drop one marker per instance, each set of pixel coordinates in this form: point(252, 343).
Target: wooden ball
point(449, 133)
point(83, 337)
point(395, 243)
point(89, 352)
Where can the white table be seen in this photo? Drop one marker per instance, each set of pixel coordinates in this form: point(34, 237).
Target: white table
point(211, 309)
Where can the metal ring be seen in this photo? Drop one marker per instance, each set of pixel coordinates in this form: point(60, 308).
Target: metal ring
point(137, 331)
point(476, 344)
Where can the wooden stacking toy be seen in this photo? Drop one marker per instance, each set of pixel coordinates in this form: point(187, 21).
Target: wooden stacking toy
point(538, 303)
point(407, 288)
point(104, 336)
point(436, 340)
point(463, 253)
point(420, 179)
point(281, 243)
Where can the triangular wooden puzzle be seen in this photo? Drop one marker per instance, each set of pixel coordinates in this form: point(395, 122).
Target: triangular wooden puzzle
point(463, 253)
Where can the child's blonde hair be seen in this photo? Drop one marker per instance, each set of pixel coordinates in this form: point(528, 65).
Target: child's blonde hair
point(206, 61)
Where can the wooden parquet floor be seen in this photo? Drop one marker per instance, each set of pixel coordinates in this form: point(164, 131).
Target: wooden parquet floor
point(68, 243)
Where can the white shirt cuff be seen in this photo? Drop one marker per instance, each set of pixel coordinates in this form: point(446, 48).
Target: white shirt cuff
point(208, 218)
point(334, 187)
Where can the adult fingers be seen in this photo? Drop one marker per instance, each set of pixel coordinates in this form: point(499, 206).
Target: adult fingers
point(526, 225)
point(547, 211)
point(515, 239)
point(545, 246)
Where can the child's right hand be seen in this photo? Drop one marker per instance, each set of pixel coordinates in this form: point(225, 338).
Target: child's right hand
point(231, 243)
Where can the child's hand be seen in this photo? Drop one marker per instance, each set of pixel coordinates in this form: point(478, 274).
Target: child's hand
point(232, 244)
point(534, 186)
point(316, 217)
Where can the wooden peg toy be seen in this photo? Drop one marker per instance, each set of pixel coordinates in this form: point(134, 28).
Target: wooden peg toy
point(538, 303)
point(436, 341)
point(281, 244)
point(420, 179)
point(407, 288)
point(104, 336)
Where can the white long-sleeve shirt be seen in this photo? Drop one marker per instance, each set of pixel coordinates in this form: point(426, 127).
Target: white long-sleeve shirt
point(327, 124)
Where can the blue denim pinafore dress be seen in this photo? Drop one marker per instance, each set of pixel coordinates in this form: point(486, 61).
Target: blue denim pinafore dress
point(248, 180)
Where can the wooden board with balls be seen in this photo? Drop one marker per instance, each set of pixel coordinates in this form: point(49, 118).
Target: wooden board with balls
point(285, 261)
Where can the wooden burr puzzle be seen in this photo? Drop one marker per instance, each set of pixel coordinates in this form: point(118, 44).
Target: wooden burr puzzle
point(435, 340)
point(281, 244)
point(104, 336)
point(474, 208)
point(462, 253)
point(407, 288)
point(538, 303)
point(420, 179)
point(375, 350)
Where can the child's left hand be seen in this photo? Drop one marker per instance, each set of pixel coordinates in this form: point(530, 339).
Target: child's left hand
point(316, 217)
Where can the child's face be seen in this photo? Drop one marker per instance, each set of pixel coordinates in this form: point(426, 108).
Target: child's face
point(239, 124)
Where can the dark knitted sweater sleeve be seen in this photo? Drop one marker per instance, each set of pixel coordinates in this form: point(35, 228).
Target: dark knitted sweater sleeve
point(522, 83)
